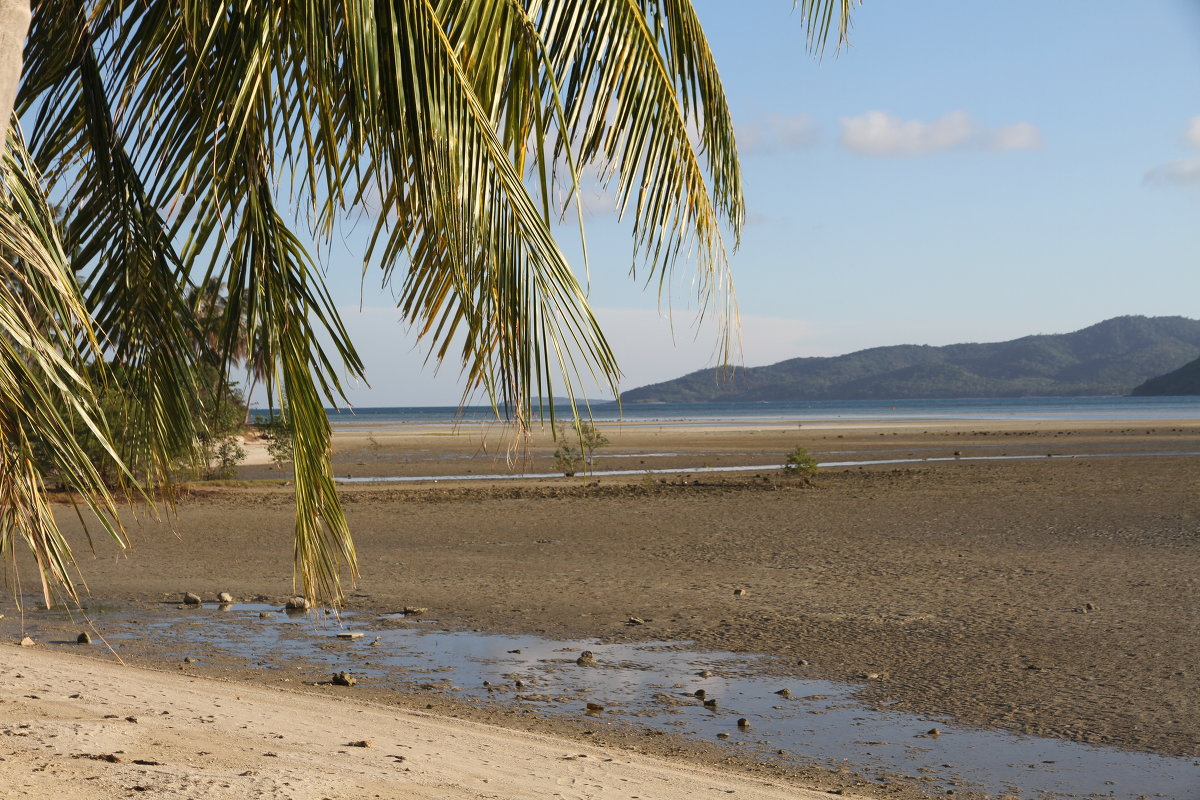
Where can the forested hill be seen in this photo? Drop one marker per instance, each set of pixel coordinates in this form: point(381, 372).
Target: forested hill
point(1109, 358)
point(1181, 382)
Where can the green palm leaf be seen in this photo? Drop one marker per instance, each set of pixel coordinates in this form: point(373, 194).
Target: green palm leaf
point(175, 132)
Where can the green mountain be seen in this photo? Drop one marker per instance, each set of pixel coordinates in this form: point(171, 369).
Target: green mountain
point(1181, 382)
point(1109, 358)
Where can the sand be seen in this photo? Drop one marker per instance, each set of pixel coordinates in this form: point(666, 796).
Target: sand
point(76, 728)
point(1050, 596)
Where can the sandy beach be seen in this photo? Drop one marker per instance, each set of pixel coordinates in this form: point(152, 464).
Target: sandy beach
point(1036, 577)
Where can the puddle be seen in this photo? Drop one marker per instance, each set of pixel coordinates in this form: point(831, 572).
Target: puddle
point(599, 473)
point(654, 685)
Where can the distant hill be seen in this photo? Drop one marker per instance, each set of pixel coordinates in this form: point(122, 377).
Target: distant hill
point(1109, 358)
point(1181, 382)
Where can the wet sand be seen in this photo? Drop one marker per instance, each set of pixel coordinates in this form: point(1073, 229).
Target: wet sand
point(1054, 596)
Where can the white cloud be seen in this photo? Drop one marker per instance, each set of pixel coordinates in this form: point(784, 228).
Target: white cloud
point(777, 133)
point(1192, 136)
point(1181, 172)
point(1019, 136)
point(878, 133)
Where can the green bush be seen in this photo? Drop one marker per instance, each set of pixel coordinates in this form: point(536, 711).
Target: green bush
point(219, 412)
point(800, 463)
point(278, 436)
point(570, 458)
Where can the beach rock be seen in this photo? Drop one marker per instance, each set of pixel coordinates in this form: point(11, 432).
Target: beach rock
point(264, 615)
point(933, 732)
point(700, 693)
point(594, 708)
point(635, 621)
point(359, 743)
point(83, 638)
point(189, 660)
point(705, 673)
point(710, 703)
point(191, 599)
point(224, 597)
point(343, 679)
point(298, 603)
point(586, 659)
point(739, 592)
point(414, 611)
point(27, 642)
point(784, 692)
point(743, 723)
point(722, 735)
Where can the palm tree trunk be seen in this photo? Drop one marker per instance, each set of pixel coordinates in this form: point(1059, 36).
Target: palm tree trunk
point(14, 25)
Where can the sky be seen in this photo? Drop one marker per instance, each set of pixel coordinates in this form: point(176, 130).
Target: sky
point(960, 172)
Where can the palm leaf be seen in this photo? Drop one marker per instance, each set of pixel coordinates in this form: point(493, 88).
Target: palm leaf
point(174, 132)
point(45, 340)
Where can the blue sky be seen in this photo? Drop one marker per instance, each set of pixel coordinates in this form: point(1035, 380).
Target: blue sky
point(961, 172)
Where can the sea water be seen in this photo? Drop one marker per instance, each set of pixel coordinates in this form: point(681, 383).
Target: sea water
point(1019, 408)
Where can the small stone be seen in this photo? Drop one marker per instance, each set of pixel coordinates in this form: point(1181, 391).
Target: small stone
point(350, 635)
point(739, 592)
point(700, 693)
point(722, 735)
point(189, 660)
point(224, 597)
point(586, 659)
point(343, 679)
point(933, 732)
point(376, 643)
point(594, 708)
point(297, 603)
point(784, 692)
point(83, 638)
point(710, 703)
point(264, 615)
point(191, 599)
point(705, 673)
point(414, 611)
point(635, 621)
point(359, 743)
point(743, 723)
point(27, 642)
point(1090, 607)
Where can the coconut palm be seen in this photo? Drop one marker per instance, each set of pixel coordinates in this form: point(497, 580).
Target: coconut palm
point(197, 142)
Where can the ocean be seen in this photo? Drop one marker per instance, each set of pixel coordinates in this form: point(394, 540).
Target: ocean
point(1021, 408)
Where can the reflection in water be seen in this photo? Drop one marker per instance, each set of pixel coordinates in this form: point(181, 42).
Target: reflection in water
point(657, 685)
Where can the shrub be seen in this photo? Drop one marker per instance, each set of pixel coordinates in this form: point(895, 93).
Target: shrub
point(278, 437)
point(568, 458)
point(800, 463)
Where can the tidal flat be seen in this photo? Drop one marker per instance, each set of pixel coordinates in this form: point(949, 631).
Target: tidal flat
point(1047, 597)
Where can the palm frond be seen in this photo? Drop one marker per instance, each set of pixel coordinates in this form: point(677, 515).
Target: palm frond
point(818, 17)
point(46, 340)
point(174, 132)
